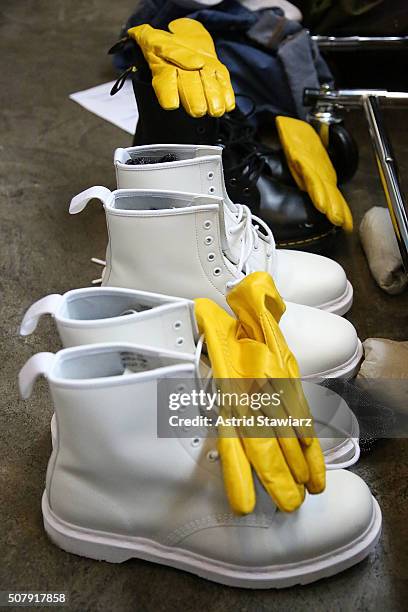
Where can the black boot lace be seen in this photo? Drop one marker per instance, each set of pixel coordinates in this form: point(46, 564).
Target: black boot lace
point(238, 136)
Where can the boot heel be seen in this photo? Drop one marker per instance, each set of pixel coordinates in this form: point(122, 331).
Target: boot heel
point(79, 542)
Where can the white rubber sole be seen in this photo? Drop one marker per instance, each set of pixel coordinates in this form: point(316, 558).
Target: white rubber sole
point(344, 455)
point(348, 369)
point(342, 304)
point(117, 549)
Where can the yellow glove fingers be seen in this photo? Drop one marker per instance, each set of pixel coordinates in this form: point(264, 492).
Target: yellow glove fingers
point(188, 28)
point(191, 93)
point(195, 34)
point(181, 56)
point(238, 348)
point(203, 82)
point(165, 86)
point(317, 468)
point(293, 404)
point(269, 463)
point(338, 211)
point(224, 80)
point(142, 34)
point(312, 169)
point(329, 200)
point(293, 453)
point(213, 92)
point(162, 44)
point(335, 210)
point(347, 218)
point(253, 296)
point(289, 444)
point(316, 190)
point(237, 475)
point(296, 171)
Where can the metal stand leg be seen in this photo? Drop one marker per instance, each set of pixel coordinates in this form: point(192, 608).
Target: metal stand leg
point(388, 174)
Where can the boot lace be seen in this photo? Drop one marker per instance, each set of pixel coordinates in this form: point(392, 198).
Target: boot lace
point(248, 225)
point(251, 167)
point(236, 128)
point(237, 132)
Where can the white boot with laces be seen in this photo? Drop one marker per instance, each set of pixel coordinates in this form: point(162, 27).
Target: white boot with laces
point(171, 243)
point(304, 278)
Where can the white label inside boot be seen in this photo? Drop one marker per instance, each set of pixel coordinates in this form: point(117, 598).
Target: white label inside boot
point(134, 362)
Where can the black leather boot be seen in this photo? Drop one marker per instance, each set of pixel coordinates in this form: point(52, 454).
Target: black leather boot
point(255, 175)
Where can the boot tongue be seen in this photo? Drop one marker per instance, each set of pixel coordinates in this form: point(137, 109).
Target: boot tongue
point(231, 243)
point(231, 240)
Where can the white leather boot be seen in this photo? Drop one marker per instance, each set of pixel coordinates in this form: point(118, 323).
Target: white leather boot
point(113, 314)
point(171, 243)
point(304, 278)
point(114, 490)
point(110, 314)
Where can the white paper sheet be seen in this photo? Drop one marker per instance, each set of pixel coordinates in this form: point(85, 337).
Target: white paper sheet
point(120, 109)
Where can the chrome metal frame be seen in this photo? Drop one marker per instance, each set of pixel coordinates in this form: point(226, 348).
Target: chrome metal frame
point(360, 43)
point(325, 104)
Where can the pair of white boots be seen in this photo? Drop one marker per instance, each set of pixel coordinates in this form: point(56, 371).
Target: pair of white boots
point(114, 490)
point(195, 242)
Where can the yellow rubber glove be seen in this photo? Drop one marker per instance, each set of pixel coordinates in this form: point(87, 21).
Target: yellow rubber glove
point(238, 350)
point(258, 307)
point(312, 170)
point(185, 68)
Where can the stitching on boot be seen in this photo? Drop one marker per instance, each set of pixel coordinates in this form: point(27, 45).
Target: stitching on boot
point(217, 520)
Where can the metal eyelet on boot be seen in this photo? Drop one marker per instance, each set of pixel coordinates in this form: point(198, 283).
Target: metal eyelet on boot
point(211, 189)
point(195, 442)
point(208, 240)
point(213, 455)
point(207, 224)
point(217, 271)
point(180, 341)
point(177, 324)
point(210, 175)
point(211, 256)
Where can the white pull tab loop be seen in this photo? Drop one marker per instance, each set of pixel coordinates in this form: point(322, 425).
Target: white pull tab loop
point(79, 202)
point(37, 365)
point(121, 156)
point(46, 305)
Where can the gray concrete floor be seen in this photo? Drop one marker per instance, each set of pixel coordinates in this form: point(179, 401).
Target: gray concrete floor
point(52, 149)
